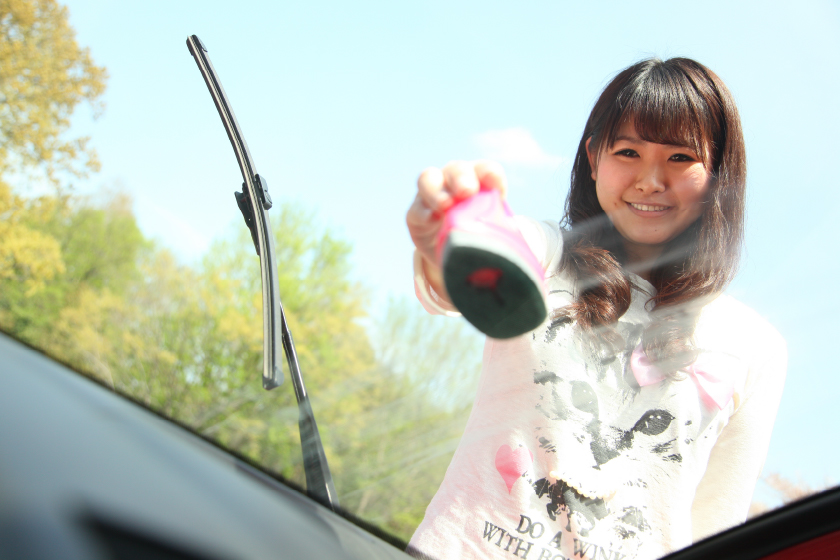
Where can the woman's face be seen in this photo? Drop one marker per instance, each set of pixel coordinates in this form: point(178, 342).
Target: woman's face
point(651, 192)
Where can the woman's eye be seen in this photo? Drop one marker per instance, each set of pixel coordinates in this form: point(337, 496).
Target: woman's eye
point(682, 158)
point(626, 153)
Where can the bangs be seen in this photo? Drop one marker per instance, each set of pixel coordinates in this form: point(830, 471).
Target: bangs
point(666, 106)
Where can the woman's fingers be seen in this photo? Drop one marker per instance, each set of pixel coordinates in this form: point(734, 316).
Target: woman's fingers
point(431, 190)
point(423, 226)
point(441, 188)
point(491, 175)
point(460, 179)
point(438, 189)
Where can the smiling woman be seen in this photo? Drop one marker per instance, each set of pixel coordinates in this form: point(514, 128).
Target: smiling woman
point(638, 414)
point(667, 134)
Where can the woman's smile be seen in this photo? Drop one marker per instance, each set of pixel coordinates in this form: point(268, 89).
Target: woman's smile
point(648, 209)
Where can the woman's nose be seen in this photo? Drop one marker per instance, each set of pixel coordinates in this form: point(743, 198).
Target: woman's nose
point(651, 179)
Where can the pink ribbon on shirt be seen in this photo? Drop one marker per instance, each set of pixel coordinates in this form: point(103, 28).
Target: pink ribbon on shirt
point(715, 391)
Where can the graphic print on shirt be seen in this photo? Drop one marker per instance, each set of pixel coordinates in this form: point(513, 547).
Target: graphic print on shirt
point(512, 464)
point(602, 442)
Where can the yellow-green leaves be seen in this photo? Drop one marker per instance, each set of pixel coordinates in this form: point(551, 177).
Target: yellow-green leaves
point(44, 75)
point(28, 257)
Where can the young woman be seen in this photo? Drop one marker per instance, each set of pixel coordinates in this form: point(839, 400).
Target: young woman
point(636, 418)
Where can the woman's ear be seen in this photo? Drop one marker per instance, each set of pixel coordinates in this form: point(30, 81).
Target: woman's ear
point(591, 159)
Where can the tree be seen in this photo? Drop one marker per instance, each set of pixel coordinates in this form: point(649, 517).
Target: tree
point(323, 307)
point(44, 75)
point(28, 258)
point(75, 249)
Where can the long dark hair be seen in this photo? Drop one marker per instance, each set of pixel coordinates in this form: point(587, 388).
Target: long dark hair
point(677, 101)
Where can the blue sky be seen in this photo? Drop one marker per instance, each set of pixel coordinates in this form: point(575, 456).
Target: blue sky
point(344, 103)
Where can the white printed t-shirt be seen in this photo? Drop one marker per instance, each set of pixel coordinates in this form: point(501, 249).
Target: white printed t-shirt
point(566, 454)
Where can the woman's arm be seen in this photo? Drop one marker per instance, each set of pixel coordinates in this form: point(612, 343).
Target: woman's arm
point(724, 494)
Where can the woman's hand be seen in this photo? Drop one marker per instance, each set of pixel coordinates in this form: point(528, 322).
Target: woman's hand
point(439, 189)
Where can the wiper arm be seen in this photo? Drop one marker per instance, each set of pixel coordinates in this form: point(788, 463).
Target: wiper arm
point(254, 203)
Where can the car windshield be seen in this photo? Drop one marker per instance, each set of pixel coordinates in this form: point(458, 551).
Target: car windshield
point(123, 252)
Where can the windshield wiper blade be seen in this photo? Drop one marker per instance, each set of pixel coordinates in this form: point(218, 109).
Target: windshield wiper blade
point(254, 203)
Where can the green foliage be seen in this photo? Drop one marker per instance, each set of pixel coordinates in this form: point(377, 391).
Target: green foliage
point(44, 75)
point(322, 307)
point(81, 250)
point(28, 258)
